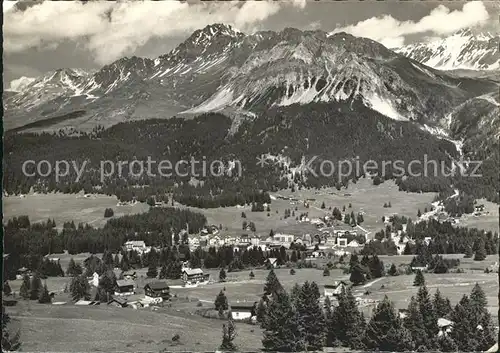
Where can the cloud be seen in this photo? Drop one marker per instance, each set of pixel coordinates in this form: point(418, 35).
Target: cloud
point(441, 21)
point(19, 84)
point(111, 30)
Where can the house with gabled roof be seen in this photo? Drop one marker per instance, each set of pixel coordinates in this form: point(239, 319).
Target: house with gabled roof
point(334, 289)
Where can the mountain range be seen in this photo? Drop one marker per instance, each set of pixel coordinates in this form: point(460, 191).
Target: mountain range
point(464, 49)
point(220, 68)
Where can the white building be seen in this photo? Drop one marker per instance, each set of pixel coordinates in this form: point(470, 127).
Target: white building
point(333, 290)
point(241, 311)
point(136, 245)
point(342, 242)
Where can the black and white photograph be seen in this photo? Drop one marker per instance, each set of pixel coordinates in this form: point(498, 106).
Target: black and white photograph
point(251, 176)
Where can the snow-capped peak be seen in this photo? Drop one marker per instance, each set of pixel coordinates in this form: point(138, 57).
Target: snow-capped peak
point(465, 49)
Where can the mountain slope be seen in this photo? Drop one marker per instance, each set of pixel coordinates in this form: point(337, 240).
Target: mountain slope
point(462, 50)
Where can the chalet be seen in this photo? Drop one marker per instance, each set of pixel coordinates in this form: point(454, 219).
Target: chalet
point(21, 272)
point(125, 287)
point(118, 302)
point(445, 326)
point(194, 242)
point(420, 268)
point(342, 242)
point(136, 245)
point(53, 259)
point(272, 261)
point(333, 290)
point(403, 313)
point(9, 301)
point(242, 311)
point(353, 244)
point(215, 241)
point(158, 289)
point(87, 302)
point(192, 275)
point(283, 238)
point(130, 275)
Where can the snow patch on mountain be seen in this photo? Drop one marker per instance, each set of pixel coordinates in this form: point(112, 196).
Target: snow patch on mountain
point(462, 50)
point(219, 101)
point(384, 107)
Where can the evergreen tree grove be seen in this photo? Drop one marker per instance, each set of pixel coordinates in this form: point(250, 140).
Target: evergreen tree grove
point(281, 327)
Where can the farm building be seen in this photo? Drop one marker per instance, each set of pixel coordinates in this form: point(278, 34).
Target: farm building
point(125, 287)
point(118, 302)
point(272, 261)
point(192, 275)
point(136, 245)
point(342, 242)
point(130, 275)
point(445, 326)
point(333, 290)
point(158, 289)
point(242, 311)
point(21, 272)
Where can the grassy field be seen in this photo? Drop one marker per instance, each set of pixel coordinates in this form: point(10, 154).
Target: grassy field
point(488, 220)
point(75, 328)
point(59, 328)
point(363, 196)
point(66, 208)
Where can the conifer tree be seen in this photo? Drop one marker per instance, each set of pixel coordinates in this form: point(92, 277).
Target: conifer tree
point(9, 344)
point(349, 324)
point(228, 336)
point(468, 252)
point(252, 276)
point(281, 327)
point(261, 311)
point(108, 283)
point(331, 324)
point(357, 275)
point(326, 272)
point(272, 285)
point(221, 303)
point(44, 297)
point(442, 305)
point(152, 270)
point(295, 294)
point(393, 271)
point(222, 275)
point(481, 319)
point(463, 333)
point(385, 331)
point(414, 323)
point(6, 288)
point(446, 344)
point(419, 279)
point(480, 254)
point(24, 291)
point(35, 286)
point(310, 315)
point(163, 272)
point(430, 318)
point(377, 269)
point(80, 288)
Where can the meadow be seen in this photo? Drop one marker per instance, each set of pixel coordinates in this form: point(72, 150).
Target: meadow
point(66, 208)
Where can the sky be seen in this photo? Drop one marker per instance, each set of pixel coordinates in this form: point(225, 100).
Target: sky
point(40, 36)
